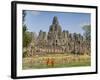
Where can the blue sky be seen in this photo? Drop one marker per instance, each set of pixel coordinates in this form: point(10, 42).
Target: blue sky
point(41, 20)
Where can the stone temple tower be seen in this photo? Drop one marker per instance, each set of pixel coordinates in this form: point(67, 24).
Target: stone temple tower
point(55, 33)
point(60, 41)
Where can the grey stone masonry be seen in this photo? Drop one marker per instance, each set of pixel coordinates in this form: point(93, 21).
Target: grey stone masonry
point(58, 41)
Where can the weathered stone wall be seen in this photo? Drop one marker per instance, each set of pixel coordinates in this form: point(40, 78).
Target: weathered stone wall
point(58, 41)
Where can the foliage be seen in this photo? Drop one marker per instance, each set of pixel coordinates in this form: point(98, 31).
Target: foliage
point(26, 34)
point(25, 54)
point(26, 37)
point(87, 32)
point(24, 28)
point(24, 15)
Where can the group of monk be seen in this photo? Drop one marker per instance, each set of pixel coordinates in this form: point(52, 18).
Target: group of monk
point(50, 62)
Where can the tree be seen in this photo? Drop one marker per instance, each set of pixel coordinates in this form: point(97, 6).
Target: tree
point(26, 34)
point(87, 35)
point(26, 40)
point(24, 28)
point(26, 37)
point(87, 32)
point(24, 15)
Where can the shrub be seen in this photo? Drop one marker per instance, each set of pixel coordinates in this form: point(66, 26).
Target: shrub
point(25, 54)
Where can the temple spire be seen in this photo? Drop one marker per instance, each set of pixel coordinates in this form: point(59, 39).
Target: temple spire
point(55, 20)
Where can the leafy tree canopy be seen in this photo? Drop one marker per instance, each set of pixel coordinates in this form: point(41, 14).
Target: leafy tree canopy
point(87, 32)
point(26, 36)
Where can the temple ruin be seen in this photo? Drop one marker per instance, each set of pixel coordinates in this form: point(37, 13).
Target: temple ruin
point(57, 40)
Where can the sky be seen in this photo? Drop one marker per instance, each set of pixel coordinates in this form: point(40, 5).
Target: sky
point(41, 20)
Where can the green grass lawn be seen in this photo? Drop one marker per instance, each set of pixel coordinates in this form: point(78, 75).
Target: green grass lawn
point(60, 61)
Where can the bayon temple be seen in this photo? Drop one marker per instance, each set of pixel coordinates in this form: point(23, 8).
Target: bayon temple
point(57, 40)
